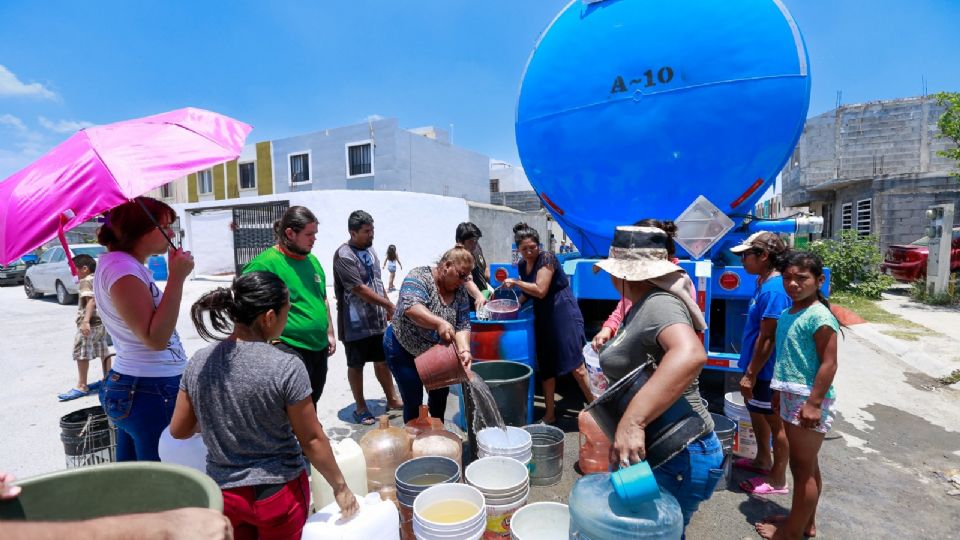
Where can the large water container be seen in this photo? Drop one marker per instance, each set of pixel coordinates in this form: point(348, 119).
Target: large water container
point(597, 513)
point(634, 108)
point(506, 340)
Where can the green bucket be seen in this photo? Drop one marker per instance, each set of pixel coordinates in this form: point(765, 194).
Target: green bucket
point(111, 489)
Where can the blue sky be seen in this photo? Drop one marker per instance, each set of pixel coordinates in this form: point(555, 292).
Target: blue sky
point(292, 67)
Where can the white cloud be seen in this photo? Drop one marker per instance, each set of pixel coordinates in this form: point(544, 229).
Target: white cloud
point(11, 86)
point(63, 126)
point(13, 121)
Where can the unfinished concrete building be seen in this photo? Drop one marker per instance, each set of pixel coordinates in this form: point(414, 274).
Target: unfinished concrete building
point(873, 167)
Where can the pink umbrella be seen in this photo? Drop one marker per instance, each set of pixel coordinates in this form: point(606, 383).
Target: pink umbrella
point(101, 167)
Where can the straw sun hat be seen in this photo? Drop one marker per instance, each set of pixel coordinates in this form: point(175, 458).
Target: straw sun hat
point(638, 254)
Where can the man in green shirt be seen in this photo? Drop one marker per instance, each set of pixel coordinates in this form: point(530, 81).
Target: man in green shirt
point(308, 333)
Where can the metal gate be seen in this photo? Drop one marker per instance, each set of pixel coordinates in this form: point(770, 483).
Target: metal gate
point(253, 230)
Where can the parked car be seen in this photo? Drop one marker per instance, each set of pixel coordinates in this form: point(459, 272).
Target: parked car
point(51, 274)
point(908, 262)
point(12, 274)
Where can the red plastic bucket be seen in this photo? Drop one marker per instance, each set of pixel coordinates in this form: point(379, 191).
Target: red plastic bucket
point(439, 366)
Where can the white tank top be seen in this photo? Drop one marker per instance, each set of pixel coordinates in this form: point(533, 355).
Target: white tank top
point(133, 358)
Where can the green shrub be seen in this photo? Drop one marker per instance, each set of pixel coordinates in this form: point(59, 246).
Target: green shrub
point(853, 261)
point(919, 293)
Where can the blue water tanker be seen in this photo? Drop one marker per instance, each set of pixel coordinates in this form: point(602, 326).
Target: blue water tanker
point(634, 108)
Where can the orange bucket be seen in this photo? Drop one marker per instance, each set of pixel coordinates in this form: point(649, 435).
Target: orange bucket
point(439, 366)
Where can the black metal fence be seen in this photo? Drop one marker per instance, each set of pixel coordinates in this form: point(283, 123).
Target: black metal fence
point(253, 230)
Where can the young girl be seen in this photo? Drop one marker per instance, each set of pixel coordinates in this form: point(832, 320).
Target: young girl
point(390, 264)
point(806, 365)
point(252, 404)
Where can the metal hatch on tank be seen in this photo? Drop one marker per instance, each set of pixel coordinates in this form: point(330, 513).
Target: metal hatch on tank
point(634, 108)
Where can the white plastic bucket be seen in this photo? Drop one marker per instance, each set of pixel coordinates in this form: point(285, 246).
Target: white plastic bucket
point(470, 528)
point(505, 484)
point(595, 377)
point(541, 521)
point(744, 441)
point(511, 442)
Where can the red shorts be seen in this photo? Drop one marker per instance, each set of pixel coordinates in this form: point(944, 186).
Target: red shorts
point(279, 516)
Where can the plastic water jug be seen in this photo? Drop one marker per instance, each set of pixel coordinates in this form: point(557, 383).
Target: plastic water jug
point(594, 446)
point(349, 458)
point(376, 519)
point(190, 452)
point(437, 441)
point(422, 422)
point(384, 449)
point(597, 513)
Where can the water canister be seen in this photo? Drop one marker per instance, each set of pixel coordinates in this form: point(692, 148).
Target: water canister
point(349, 458)
point(594, 446)
point(437, 441)
point(384, 449)
point(597, 513)
point(692, 98)
point(595, 376)
point(744, 440)
point(421, 422)
point(190, 452)
point(376, 519)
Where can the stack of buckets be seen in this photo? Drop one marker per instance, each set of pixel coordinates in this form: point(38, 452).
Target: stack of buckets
point(416, 476)
point(514, 442)
point(448, 512)
point(505, 485)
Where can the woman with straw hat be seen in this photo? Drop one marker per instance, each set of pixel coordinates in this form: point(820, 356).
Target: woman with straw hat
point(662, 325)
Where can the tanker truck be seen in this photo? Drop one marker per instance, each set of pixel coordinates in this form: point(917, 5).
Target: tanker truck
point(670, 109)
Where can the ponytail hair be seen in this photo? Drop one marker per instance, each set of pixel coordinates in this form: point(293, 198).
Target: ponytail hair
point(522, 231)
point(250, 296)
point(295, 218)
point(666, 226)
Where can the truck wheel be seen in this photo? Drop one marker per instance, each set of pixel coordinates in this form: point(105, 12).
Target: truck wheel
point(63, 297)
point(29, 290)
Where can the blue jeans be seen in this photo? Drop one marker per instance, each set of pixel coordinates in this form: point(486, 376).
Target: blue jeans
point(404, 370)
point(141, 408)
point(692, 475)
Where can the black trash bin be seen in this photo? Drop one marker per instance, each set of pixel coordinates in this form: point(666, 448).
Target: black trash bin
point(88, 437)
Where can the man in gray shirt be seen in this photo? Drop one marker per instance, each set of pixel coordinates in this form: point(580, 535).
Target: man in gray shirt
point(363, 310)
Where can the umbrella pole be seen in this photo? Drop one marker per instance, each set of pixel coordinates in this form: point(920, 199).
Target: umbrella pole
point(155, 222)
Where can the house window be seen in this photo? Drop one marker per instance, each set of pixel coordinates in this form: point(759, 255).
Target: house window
point(864, 216)
point(205, 182)
point(846, 216)
point(248, 176)
point(359, 159)
point(166, 191)
point(494, 185)
point(795, 159)
point(299, 168)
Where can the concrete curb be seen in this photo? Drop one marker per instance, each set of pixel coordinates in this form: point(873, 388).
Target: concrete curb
point(929, 365)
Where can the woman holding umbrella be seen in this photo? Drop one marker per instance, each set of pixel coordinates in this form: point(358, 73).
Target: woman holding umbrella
point(141, 390)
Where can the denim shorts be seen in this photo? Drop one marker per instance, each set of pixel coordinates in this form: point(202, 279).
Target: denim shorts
point(692, 475)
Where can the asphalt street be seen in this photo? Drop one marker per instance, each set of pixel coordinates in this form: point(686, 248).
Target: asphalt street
point(886, 465)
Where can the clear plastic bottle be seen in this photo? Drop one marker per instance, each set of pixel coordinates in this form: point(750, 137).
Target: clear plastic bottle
point(594, 446)
point(384, 449)
point(596, 512)
point(437, 441)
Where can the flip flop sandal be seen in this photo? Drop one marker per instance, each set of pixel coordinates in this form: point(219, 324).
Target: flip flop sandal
point(746, 464)
point(759, 486)
point(364, 418)
point(74, 393)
